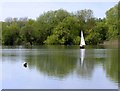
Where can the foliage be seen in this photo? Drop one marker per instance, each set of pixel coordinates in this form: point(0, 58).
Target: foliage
point(112, 22)
point(65, 32)
point(97, 34)
point(11, 35)
point(46, 23)
point(62, 27)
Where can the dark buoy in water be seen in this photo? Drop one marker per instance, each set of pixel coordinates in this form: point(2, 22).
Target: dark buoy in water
point(25, 65)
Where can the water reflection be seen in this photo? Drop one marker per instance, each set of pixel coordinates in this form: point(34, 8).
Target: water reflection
point(111, 65)
point(82, 52)
point(61, 63)
point(85, 66)
point(53, 63)
point(65, 62)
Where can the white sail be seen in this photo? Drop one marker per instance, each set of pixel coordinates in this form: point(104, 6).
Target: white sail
point(82, 39)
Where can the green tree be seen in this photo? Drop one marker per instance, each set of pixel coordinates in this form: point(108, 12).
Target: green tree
point(28, 33)
point(112, 22)
point(66, 32)
point(46, 23)
point(85, 15)
point(98, 34)
point(86, 21)
point(62, 27)
point(11, 35)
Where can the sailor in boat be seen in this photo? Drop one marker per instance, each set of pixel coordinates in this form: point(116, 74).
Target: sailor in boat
point(82, 42)
point(81, 46)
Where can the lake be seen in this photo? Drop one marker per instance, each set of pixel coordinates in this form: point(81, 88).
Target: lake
point(60, 67)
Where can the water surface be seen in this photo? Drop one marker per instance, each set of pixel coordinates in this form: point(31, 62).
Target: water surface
point(59, 67)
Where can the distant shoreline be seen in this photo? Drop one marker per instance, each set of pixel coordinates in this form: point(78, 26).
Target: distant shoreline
point(112, 43)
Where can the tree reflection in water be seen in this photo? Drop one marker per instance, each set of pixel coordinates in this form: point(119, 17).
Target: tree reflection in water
point(60, 62)
point(53, 63)
point(111, 65)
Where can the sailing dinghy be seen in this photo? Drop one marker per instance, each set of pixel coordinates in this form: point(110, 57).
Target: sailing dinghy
point(82, 42)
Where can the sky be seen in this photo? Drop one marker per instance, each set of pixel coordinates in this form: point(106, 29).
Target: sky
point(35, 9)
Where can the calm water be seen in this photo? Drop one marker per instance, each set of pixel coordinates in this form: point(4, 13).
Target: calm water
point(60, 67)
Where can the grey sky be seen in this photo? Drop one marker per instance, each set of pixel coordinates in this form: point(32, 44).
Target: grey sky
point(34, 9)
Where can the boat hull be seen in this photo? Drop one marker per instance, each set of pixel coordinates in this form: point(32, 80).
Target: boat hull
point(82, 47)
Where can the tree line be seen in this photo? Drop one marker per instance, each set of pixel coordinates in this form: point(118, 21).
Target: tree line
point(62, 27)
